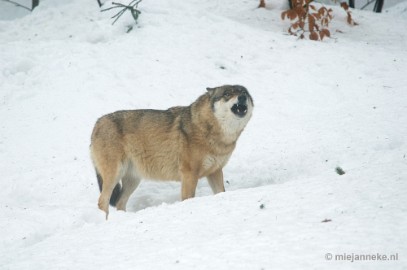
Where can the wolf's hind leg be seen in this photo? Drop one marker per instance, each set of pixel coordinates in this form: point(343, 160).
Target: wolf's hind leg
point(110, 178)
point(215, 180)
point(130, 182)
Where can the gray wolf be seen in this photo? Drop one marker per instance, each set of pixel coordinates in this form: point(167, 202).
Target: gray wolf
point(181, 143)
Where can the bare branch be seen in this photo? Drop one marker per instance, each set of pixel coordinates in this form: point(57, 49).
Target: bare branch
point(17, 4)
point(132, 7)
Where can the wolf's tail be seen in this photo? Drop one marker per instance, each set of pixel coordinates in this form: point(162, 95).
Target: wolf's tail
point(117, 191)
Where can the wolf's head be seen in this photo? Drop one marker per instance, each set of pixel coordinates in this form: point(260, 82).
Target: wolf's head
point(234, 99)
point(232, 105)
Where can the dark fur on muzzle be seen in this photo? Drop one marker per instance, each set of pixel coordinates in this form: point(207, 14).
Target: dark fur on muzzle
point(240, 108)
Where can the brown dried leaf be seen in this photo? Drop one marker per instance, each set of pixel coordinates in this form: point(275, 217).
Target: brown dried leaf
point(323, 11)
point(325, 22)
point(321, 35)
point(313, 36)
point(344, 5)
point(349, 19)
point(325, 32)
point(300, 11)
point(316, 15)
point(311, 22)
point(292, 15)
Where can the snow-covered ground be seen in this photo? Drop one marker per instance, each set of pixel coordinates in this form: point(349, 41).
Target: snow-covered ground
point(318, 106)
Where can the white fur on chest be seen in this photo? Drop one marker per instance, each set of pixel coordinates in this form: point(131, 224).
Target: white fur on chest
point(214, 162)
point(230, 124)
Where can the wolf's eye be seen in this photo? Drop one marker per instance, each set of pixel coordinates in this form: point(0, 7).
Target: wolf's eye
point(226, 95)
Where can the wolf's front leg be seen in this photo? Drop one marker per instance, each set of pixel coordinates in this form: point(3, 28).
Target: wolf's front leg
point(189, 181)
point(215, 180)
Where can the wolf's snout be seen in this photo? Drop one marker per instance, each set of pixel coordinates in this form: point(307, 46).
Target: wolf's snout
point(242, 99)
point(240, 108)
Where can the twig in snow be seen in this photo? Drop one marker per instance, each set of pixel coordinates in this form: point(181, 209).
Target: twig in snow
point(132, 7)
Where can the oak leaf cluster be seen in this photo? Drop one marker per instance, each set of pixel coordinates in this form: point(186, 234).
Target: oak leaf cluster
point(310, 21)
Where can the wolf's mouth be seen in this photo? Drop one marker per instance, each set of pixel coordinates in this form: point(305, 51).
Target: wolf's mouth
point(239, 109)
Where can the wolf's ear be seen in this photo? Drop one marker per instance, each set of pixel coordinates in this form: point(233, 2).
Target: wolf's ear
point(210, 90)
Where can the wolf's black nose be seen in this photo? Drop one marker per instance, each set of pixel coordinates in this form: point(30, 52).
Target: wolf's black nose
point(242, 99)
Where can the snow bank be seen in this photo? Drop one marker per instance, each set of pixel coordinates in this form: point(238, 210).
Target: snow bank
point(398, 10)
point(318, 105)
